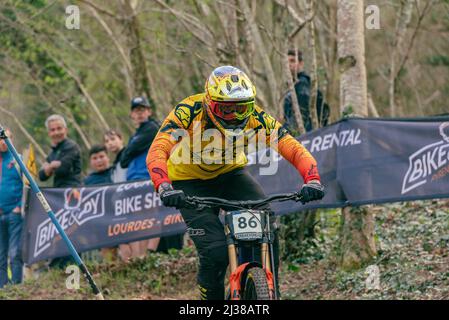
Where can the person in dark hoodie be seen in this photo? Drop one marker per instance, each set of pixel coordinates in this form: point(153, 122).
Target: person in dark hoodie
point(99, 162)
point(101, 174)
point(135, 153)
point(302, 88)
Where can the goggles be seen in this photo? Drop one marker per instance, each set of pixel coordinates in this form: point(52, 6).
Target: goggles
point(232, 110)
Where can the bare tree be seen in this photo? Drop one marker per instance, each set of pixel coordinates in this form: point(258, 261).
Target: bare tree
point(143, 82)
point(313, 74)
point(268, 67)
point(24, 131)
point(401, 28)
point(357, 229)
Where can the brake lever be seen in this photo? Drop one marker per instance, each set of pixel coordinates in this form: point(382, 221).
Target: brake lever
point(192, 204)
point(298, 197)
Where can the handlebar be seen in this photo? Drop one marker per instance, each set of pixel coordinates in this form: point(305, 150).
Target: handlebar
point(209, 202)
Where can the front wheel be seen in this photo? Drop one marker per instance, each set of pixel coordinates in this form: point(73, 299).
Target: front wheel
point(256, 285)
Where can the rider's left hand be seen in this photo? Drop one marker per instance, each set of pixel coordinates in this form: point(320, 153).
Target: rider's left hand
point(313, 190)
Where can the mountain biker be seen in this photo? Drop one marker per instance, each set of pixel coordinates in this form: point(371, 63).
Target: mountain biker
point(228, 107)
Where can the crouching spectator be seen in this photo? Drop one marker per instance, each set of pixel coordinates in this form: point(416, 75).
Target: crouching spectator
point(11, 220)
point(101, 169)
point(101, 174)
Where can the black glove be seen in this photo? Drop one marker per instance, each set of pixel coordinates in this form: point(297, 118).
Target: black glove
point(311, 191)
point(171, 197)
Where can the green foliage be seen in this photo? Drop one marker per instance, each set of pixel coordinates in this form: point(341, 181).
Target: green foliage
point(438, 60)
point(348, 111)
point(413, 258)
point(295, 250)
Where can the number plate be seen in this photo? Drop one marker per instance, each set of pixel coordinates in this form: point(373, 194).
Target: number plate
point(247, 225)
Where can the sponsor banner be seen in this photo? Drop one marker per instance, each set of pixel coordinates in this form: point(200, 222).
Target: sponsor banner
point(366, 161)
point(361, 161)
point(97, 217)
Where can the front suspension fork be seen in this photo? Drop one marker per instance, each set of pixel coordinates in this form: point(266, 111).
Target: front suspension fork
point(232, 252)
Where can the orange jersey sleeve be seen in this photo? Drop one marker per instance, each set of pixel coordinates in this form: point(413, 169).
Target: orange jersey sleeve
point(295, 153)
point(160, 150)
point(277, 137)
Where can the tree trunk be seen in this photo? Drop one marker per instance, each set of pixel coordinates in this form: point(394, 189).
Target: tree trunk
point(141, 76)
point(313, 74)
point(357, 245)
point(261, 48)
point(401, 28)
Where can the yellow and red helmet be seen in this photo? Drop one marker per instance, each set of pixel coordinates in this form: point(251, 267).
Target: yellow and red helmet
point(229, 95)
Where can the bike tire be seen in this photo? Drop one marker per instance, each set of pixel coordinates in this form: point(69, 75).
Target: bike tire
point(256, 285)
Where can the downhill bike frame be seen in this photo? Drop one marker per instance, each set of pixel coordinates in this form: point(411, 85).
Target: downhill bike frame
point(247, 227)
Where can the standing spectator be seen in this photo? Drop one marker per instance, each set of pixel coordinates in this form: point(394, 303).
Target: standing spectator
point(302, 88)
point(101, 174)
point(64, 161)
point(11, 220)
point(134, 155)
point(134, 158)
point(63, 164)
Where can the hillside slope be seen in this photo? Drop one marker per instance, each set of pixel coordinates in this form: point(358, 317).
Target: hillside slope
point(413, 263)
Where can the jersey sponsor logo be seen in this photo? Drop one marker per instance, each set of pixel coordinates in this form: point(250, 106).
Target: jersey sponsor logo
point(186, 113)
point(268, 122)
point(429, 163)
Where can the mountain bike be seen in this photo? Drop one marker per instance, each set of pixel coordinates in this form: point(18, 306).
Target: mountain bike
point(247, 228)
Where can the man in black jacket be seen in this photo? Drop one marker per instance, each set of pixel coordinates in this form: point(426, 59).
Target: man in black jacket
point(302, 88)
point(63, 163)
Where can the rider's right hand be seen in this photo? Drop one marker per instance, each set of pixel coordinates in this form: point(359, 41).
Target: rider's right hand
point(171, 197)
point(313, 190)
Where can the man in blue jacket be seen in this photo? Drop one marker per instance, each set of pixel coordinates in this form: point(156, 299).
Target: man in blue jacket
point(134, 158)
point(11, 221)
point(134, 155)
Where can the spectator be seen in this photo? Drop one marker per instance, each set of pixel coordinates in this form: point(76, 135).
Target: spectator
point(64, 161)
point(134, 158)
point(63, 164)
point(302, 88)
point(113, 141)
point(99, 163)
point(102, 174)
point(11, 220)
